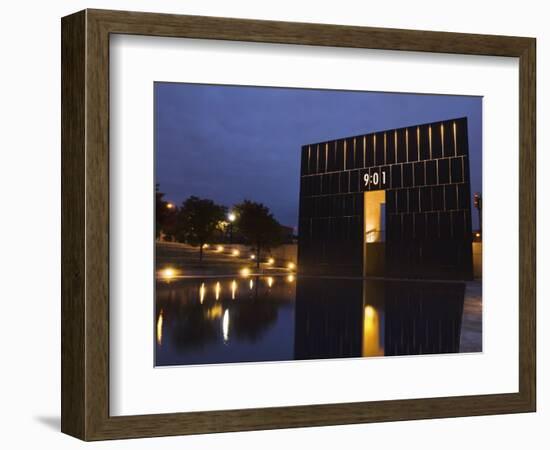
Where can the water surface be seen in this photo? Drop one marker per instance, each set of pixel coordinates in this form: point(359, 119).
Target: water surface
point(281, 318)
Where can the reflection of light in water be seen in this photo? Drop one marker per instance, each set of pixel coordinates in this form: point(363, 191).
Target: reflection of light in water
point(371, 332)
point(245, 272)
point(202, 292)
point(217, 290)
point(251, 284)
point(214, 312)
point(233, 289)
point(270, 281)
point(370, 312)
point(290, 278)
point(225, 325)
point(159, 327)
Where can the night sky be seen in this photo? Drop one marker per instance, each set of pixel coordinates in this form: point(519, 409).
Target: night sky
point(228, 143)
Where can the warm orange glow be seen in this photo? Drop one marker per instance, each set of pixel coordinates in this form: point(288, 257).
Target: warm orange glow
point(430, 139)
point(160, 321)
point(217, 290)
point(454, 136)
point(290, 278)
point(371, 332)
point(233, 289)
point(214, 313)
point(205, 245)
point(369, 312)
point(252, 256)
point(407, 142)
point(245, 272)
point(270, 261)
point(235, 252)
point(395, 143)
point(231, 216)
point(291, 266)
point(225, 325)
point(169, 205)
point(251, 284)
point(219, 248)
point(345, 153)
point(478, 234)
point(168, 274)
point(202, 292)
point(270, 281)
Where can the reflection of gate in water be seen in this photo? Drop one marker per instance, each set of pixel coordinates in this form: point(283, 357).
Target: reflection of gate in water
point(337, 318)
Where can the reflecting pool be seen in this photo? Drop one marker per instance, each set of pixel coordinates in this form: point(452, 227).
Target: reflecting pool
point(278, 318)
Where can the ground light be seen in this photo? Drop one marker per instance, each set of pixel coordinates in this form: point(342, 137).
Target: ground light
point(168, 273)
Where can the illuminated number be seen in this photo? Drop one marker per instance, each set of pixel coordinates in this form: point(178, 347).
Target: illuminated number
point(366, 179)
point(375, 178)
point(383, 177)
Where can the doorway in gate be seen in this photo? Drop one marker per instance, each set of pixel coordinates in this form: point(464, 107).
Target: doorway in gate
point(374, 233)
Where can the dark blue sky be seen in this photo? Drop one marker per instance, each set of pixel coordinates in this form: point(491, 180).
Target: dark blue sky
point(228, 143)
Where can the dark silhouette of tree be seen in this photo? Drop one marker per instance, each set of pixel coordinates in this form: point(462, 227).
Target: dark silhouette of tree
point(165, 214)
point(197, 221)
point(258, 226)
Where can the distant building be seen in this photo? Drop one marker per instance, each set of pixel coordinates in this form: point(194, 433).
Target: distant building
point(394, 203)
point(288, 234)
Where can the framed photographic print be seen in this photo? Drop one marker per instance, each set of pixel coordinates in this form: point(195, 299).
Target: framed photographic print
point(271, 224)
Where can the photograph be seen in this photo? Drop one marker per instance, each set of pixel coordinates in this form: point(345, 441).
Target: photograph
point(310, 224)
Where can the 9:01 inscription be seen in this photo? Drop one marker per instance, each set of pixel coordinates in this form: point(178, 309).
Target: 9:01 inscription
point(374, 180)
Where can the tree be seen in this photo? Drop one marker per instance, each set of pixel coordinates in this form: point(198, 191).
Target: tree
point(198, 220)
point(164, 214)
point(258, 226)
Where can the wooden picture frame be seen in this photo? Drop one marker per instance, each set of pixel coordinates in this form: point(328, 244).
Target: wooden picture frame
point(85, 224)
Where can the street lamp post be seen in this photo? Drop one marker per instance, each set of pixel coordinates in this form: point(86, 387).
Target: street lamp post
point(477, 205)
point(231, 216)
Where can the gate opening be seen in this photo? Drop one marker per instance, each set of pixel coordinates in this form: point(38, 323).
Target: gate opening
point(374, 233)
